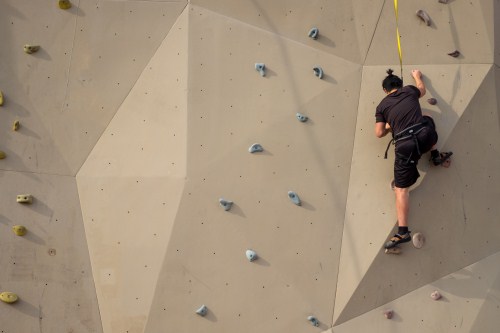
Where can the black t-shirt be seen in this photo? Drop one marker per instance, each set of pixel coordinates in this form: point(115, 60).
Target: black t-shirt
point(400, 109)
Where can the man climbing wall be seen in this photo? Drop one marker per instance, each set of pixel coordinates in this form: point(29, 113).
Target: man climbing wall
point(400, 113)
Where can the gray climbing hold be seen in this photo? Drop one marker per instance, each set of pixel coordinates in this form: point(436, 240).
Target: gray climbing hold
point(301, 117)
point(313, 321)
point(226, 204)
point(202, 310)
point(418, 240)
point(318, 71)
point(261, 68)
point(251, 255)
point(256, 148)
point(443, 1)
point(432, 101)
point(294, 197)
point(25, 198)
point(313, 33)
point(424, 16)
point(436, 295)
point(454, 54)
point(29, 49)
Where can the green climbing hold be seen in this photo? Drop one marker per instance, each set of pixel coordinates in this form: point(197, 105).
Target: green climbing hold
point(1, 98)
point(31, 48)
point(2, 155)
point(16, 125)
point(8, 297)
point(64, 4)
point(19, 230)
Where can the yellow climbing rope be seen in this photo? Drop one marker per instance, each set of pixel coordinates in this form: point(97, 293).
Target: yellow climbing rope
point(398, 38)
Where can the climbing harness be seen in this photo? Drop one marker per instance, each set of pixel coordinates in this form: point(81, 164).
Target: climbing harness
point(408, 133)
point(396, 12)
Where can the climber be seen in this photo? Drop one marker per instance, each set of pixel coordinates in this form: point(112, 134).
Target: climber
point(413, 135)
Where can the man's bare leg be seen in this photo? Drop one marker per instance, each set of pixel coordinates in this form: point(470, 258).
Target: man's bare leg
point(402, 205)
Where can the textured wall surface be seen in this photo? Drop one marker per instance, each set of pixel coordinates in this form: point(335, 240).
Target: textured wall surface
point(137, 116)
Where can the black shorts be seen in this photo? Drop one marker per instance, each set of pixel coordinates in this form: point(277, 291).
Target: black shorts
point(408, 154)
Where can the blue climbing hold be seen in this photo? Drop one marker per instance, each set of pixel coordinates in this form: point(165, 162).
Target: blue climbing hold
point(318, 71)
point(294, 197)
point(313, 33)
point(251, 255)
point(261, 68)
point(256, 148)
point(301, 117)
point(226, 204)
point(313, 321)
point(202, 311)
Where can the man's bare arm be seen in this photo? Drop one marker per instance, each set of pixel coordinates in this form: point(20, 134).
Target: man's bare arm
point(381, 129)
point(417, 75)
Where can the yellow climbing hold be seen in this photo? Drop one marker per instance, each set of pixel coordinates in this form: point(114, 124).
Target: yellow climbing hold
point(1, 98)
point(19, 230)
point(16, 125)
point(2, 155)
point(31, 48)
point(64, 4)
point(8, 297)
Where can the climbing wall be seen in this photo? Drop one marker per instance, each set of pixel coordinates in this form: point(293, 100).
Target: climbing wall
point(137, 117)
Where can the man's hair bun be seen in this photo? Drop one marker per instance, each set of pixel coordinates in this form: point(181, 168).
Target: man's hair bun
point(389, 72)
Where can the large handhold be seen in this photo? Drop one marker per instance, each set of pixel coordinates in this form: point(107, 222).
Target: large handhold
point(8, 297)
point(25, 198)
point(64, 4)
point(31, 48)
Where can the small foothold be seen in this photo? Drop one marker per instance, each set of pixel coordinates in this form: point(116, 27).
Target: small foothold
point(226, 204)
point(19, 230)
point(318, 71)
point(301, 117)
point(393, 250)
point(424, 16)
point(435, 295)
point(251, 255)
point(2, 155)
point(1, 98)
point(294, 197)
point(432, 101)
point(418, 240)
point(388, 314)
point(313, 33)
point(31, 48)
point(25, 198)
point(261, 68)
point(443, 1)
point(313, 321)
point(16, 125)
point(64, 4)
point(256, 148)
point(8, 297)
point(202, 310)
point(454, 54)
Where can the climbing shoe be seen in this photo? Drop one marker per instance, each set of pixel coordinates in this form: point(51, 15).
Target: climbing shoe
point(441, 158)
point(398, 239)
